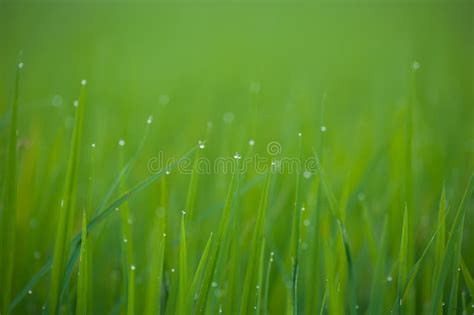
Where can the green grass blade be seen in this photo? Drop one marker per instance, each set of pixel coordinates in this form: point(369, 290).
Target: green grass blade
point(258, 303)
point(249, 280)
point(440, 239)
point(453, 242)
point(153, 300)
point(199, 274)
point(183, 270)
point(295, 238)
point(467, 278)
point(8, 214)
point(67, 207)
point(402, 261)
point(83, 276)
point(214, 255)
point(267, 285)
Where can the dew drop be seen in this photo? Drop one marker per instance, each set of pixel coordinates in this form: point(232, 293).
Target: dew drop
point(75, 103)
point(299, 134)
point(149, 120)
point(83, 82)
point(201, 145)
point(228, 117)
point(307, 222)
point(183, 212)
point(237, 156)
point(57, 101)
point(173, 270)
point(389, 278)
point(251, 142)
point(116, 209)
point(307, 174)
point(30, 292)
point(415, 65)
point(20, 65)
point(93, 145)
point(121, 142)
point(323, 129)
point(132, 267)
point(125, 240)
point(167, 172)
point(214, 284)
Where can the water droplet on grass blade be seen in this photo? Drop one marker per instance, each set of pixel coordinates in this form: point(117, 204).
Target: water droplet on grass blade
point(121, 142)
point(201, 145)
point(251, 142)
point(237, 156)
point(83, 82)
point(75, 103)
point(149, 120)
point(21, 65)
point(228, 117)
point(415, 65)
point(132, 267)
point(323, 128)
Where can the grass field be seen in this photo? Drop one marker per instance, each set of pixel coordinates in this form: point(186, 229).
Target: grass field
point(206, 157)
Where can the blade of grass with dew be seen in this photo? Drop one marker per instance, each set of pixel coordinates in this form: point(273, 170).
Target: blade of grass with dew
point(183, 270)
point(127, 242)
point(192, 189)
point(402, 262)
point(83, 275)
point(467, 278)
point(249, 279)
point(295, 237)
point(199, 274)
point(115, 186)
point(153, 300)
point(267, 284)
point(214, 255)
point(258, 306)
point(453, 297)
point(93, 224)
point(158, 244)
point(8, 214)
point(67, 207)
point(454, 240)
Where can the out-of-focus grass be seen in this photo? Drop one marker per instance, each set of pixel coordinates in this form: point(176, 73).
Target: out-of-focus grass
point(382, 94)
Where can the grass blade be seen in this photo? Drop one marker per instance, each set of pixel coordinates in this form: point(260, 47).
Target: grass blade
point(83, 276)
point(453, 242)
point(8, 215)
point(183, 270)
point(66, 214)
point(249, 280)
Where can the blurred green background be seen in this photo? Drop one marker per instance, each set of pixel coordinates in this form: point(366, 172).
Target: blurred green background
point(271, 64)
